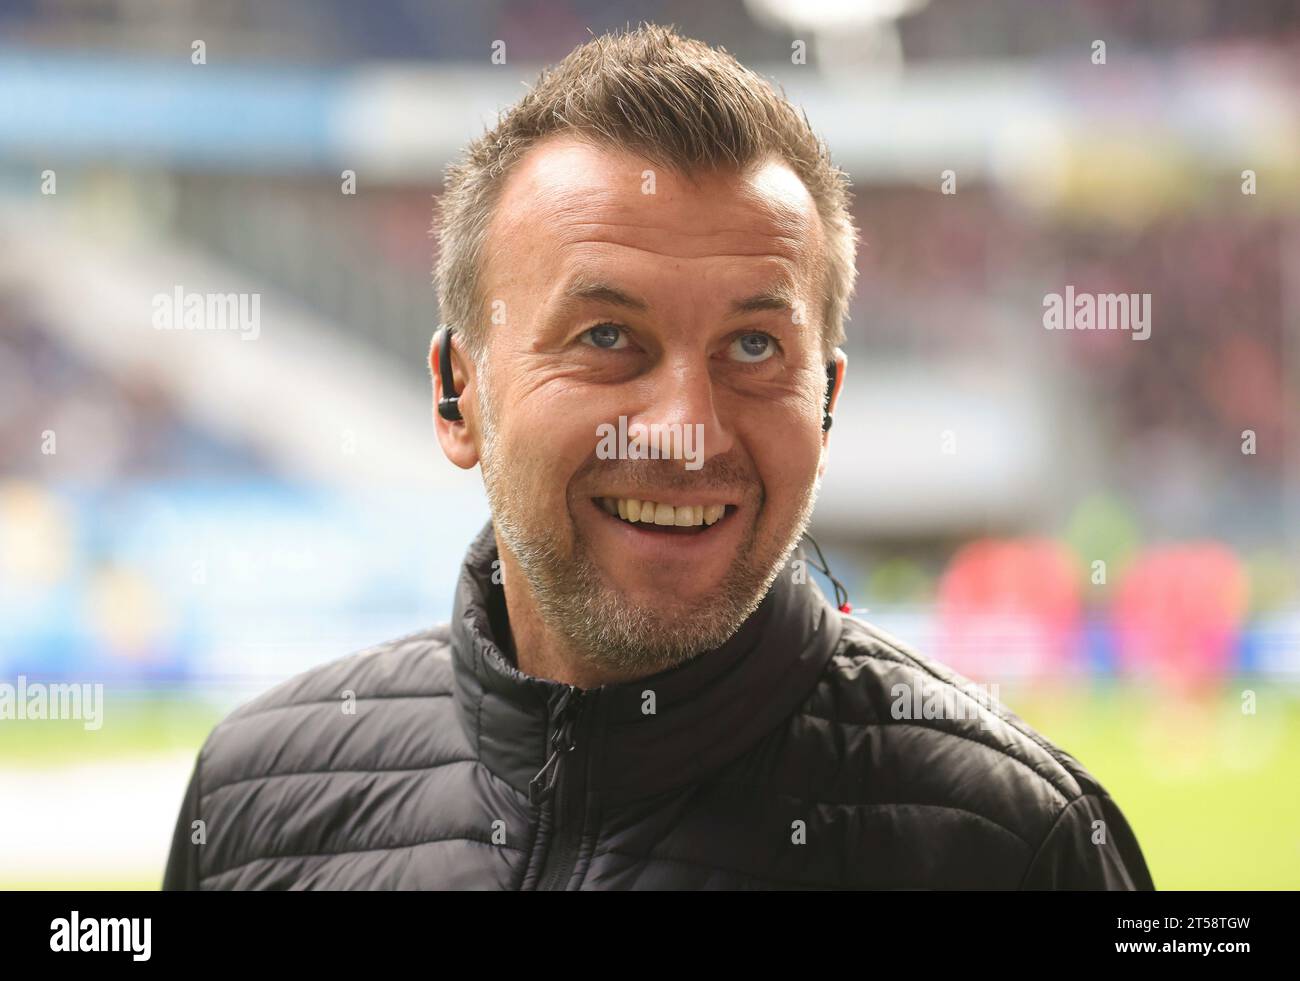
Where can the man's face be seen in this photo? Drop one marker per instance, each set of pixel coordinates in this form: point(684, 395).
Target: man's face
point(697, 305)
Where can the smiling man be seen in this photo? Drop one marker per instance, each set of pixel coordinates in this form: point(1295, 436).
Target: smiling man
point(638, 687)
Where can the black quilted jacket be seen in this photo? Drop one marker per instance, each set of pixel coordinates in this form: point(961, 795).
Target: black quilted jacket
point(777, 761)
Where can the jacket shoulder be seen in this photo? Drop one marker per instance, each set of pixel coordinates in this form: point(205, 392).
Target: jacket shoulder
point(942, 748)
point(893, 685)
point(416, 665)
point(289, 772)
point(307, 721)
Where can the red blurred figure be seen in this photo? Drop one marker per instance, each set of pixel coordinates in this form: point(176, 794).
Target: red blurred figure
point(1009, 608)
point(1179, 614)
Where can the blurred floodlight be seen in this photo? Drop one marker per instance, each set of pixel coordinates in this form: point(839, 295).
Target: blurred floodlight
point(851, 37)
point(831, 14)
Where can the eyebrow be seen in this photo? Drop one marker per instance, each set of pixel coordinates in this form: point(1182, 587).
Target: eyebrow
point(593, 291)
point(779, 297)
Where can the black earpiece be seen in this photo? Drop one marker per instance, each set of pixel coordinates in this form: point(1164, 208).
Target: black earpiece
point(448, 405)
point(832, 376)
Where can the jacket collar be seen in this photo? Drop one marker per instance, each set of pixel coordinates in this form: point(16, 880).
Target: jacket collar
point(707, 711)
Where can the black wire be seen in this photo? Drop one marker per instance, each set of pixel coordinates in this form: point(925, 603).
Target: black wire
point(841, 594)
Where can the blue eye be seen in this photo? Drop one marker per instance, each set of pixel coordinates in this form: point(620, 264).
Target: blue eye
point(608, 337)
point(753, 348)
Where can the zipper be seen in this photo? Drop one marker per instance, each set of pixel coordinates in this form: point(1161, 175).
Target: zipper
point(565, 799)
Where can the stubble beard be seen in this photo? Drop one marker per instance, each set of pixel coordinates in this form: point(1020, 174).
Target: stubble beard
point(576, 599)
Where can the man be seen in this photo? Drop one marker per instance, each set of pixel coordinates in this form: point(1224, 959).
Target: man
point(637, 688)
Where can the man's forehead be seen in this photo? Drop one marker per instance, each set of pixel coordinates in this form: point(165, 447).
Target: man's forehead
point(571, 188)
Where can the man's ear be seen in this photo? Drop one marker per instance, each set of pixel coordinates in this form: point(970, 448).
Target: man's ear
point(842, 367)
point(455, 437)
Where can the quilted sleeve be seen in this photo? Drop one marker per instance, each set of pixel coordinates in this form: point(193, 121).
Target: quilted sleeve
point(1091, 846)
point(182, 870)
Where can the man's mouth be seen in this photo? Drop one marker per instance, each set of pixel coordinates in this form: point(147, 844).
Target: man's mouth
point(658, 516)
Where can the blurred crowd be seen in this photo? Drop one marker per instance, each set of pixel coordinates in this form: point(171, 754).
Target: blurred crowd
point(66, 418)
point(1215, 364)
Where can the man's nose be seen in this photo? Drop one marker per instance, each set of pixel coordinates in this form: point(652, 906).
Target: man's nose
point(683, 392)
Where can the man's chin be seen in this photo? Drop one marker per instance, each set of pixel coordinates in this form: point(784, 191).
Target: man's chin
point(666, 600)
point(659, 628)
point(652, 640)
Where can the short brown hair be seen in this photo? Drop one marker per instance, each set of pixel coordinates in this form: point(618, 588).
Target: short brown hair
point(674, 101)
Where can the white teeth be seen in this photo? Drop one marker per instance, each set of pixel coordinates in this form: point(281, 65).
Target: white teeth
point(654, 513)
